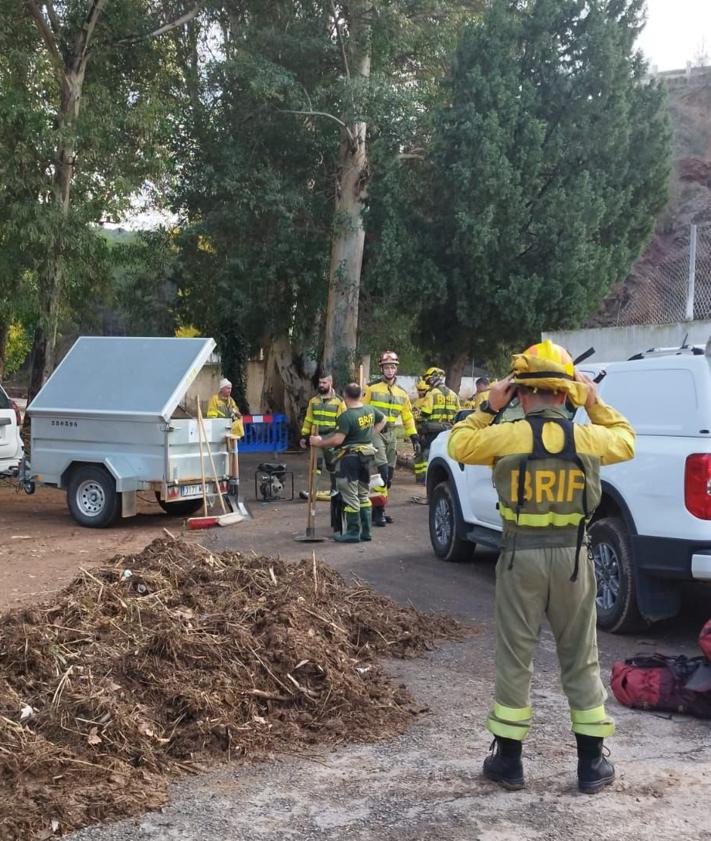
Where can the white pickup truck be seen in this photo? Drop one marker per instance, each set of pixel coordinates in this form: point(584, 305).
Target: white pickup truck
point(652, 529)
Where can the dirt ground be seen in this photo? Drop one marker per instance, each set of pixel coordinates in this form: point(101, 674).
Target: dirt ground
point(426, 783)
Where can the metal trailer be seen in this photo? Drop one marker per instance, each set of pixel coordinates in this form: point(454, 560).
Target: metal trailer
point(103, 428)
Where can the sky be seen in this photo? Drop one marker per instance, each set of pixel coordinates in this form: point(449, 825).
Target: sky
point(677, 31)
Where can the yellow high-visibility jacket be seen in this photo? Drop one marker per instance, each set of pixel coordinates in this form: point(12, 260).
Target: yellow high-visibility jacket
point(417, 405)
point(393, 401)
point(553, 488)
point(476, 400)
point(323, 412)
point(441, 404)
point(218, 407)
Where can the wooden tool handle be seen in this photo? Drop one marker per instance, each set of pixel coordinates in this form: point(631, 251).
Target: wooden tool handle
point(212, 463)
point(202, 461)
point(310, 522)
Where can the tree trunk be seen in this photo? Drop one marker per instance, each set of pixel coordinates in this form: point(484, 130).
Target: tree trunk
point(341, 331)
point(455, 370)
point(286, 387)
point(51, 277)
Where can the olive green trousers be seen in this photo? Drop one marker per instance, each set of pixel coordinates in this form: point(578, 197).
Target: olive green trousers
point(535, 586)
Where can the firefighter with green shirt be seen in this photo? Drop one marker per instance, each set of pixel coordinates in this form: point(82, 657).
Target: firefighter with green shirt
point(353, 438)
point(322, 411)
point(547, 475)
point(394, 402)
point(436, 413)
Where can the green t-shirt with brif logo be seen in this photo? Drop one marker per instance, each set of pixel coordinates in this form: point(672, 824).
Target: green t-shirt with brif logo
point(357, 425)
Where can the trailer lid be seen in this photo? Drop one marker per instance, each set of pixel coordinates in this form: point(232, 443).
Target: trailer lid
point(123, 378)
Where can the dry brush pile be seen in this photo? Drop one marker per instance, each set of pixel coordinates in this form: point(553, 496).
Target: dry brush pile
point(157, 663)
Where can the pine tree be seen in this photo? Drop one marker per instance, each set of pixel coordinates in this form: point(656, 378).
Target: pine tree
point(551, 160)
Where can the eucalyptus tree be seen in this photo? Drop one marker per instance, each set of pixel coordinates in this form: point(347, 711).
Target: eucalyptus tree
point(92, 85)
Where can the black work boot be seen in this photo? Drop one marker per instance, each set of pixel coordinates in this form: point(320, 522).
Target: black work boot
point(503, 765)
point(378, 515)
point(594, 771)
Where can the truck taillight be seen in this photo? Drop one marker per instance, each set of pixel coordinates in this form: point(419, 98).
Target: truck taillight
point(18, 414)
point(697, 485)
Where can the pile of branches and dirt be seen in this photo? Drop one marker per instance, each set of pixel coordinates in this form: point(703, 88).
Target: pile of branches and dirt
point(159, 662)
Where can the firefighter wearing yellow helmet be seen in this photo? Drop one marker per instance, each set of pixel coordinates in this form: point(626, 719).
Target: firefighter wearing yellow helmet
point(436, 414)
point(547, 475)
point(420, 463)
point(393, 401)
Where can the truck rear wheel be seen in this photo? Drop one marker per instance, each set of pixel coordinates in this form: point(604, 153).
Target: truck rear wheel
point(616, 598)
point(92, 497)
point(181, 507)
point(446, 527)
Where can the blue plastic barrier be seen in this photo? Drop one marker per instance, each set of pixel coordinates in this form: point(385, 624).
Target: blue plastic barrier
point(263, 434)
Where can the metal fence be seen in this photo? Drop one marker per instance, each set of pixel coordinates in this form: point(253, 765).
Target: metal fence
point(673, 289)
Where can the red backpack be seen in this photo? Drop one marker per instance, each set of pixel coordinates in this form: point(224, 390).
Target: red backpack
point(705, 640)
point(671, 684)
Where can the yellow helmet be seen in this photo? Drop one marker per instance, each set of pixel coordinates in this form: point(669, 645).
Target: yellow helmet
point(433, 376)
point(430, 371)
point(549, 367)
point(421, 385)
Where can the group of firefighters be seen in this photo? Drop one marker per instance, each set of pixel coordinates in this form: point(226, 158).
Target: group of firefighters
point(546, 471)
point(433, 411)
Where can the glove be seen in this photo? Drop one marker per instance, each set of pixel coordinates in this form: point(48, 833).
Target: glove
point(416, 445)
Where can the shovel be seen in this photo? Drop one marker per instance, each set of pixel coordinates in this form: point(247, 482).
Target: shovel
point(227, 518)
point(233, 485)
point(310, 535)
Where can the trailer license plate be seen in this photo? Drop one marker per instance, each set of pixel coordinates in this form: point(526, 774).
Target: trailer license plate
point(195, 490)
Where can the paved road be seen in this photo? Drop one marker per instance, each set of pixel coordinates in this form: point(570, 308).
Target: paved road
point(426, 784)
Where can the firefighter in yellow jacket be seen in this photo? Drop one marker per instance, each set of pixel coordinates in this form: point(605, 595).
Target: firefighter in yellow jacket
point(222, 405)
point(322, 411)
point(481, 393)
point(436, 414)
point(393, 401)
point(420, 464)
point(547, 475)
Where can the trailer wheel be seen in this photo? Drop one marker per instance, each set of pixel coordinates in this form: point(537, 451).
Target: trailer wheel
point(92, 497)
point(181, 507)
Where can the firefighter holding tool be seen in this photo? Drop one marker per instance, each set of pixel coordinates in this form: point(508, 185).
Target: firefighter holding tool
point(547, 475)
point(354, 454)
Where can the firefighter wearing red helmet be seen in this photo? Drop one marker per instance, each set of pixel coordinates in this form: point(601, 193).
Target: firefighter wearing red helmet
point(546, 471)
point(393, 401)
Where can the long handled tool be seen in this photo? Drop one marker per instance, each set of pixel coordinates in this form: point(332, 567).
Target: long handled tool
point(227, 518)
point(233, 485)
point(310, 535)
point(206, 521)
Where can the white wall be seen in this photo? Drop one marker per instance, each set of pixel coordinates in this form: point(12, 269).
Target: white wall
point(613, 344)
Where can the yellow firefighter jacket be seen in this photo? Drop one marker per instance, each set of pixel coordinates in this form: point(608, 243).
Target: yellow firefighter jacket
point(218, 407)
point(441, 404)
point(545, 499)
point(394, 402)
point(322, 411)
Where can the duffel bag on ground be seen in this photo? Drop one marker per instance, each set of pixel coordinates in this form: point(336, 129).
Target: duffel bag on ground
point(670, 684)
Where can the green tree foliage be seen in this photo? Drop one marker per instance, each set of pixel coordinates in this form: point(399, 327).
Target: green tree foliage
point(262, 130)
point(84, 122)
point(550, 161)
